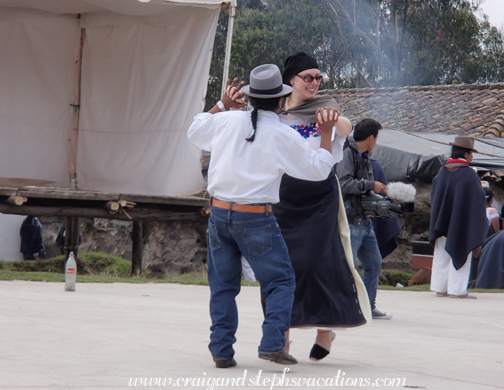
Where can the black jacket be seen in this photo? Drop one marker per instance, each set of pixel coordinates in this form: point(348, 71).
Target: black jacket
point(31, 236)
point(355, 175)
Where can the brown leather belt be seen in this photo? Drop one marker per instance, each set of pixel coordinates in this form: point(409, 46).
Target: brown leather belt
point(245, 208)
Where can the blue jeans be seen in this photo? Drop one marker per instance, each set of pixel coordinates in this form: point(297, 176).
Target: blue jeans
point(365, 248)
point(259, 239)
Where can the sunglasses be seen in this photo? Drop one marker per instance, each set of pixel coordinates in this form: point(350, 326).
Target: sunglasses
point(309, 78)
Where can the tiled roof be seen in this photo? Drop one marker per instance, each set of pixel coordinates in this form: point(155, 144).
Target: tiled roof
point(462, 109)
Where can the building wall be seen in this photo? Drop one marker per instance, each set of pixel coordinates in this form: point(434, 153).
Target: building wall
point(10, 240)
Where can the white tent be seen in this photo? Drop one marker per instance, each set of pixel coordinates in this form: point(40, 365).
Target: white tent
point(105, 89)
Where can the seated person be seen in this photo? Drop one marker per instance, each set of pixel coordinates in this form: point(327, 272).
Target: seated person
point(491, 263)
point(491, 213)
point(32, 246)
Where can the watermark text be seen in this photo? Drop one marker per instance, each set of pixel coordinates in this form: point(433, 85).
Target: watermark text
point(263, 381)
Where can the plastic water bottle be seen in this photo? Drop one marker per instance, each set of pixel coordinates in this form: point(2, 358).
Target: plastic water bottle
point(70, 273)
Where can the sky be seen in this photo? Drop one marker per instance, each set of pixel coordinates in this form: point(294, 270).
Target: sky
point(495, 11)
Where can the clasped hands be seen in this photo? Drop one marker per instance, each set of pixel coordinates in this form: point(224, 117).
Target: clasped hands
point(327, 117)
point(233, 97)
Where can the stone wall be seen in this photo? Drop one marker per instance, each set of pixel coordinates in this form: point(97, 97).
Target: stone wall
point(178, 246)
point(415, 228)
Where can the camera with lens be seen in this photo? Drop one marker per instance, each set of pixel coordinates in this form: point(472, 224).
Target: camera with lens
point(382, 206)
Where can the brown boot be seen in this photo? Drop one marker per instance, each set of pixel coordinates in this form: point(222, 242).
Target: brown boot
point(281, 357)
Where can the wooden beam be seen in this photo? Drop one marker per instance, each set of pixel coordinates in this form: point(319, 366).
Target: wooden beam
point(136, 214)
point(126, 200)
point(66, 193)
point(176, 200)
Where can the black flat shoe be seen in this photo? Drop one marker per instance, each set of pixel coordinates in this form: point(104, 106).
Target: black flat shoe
point(223, 362)
point(318, 353)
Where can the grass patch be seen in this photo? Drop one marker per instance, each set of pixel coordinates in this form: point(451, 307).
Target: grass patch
point(195, 278)
point(94, 267)
point(90, 264)
point(97, 267)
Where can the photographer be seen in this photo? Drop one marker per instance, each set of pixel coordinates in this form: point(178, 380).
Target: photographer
point(356, 178)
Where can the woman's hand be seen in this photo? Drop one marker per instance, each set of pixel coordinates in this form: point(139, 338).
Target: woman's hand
point(327, 118)
point(233, 96)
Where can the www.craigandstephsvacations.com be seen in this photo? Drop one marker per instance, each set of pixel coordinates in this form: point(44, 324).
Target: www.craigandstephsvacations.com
point(269, 382)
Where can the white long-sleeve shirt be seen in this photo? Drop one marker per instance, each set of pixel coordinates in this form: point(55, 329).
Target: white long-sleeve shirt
point(250, 172)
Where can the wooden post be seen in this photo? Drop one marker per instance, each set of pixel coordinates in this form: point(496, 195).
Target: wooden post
point(68, 236)
point(136, 255)
point(75, 235)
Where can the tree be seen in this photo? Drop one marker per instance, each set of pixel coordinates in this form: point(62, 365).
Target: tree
point(365, 42)
point(493, 54)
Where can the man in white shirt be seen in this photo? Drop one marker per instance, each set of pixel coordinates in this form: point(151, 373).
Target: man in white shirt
point(250, 153)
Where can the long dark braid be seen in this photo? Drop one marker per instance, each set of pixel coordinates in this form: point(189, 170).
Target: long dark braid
point(253, 117)
point(268, 104)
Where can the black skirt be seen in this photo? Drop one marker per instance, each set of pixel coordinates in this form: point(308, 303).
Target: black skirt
point(325, 294)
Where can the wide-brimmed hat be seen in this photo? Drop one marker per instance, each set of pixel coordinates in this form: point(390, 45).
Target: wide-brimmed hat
point(266, 82)
point(464, 142)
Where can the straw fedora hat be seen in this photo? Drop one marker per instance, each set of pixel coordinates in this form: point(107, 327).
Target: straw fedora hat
point(464, 142)
point(266, 82)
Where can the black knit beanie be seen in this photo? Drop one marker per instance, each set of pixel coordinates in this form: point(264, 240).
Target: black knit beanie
point(297, 63)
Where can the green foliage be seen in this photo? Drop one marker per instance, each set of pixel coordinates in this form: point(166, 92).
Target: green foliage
point(96, 263)
point(391, 278)
point(493, 54)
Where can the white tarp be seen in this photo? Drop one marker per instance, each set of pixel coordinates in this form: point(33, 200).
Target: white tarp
point(144, 76)
point(37, 84)
point(124, 7)
point(144, 83)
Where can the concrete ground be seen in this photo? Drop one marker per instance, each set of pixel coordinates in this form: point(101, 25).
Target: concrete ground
point(121, 336)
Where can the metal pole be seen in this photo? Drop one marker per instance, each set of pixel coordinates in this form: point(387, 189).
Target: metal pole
point(76, 119)
point(229, 40)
